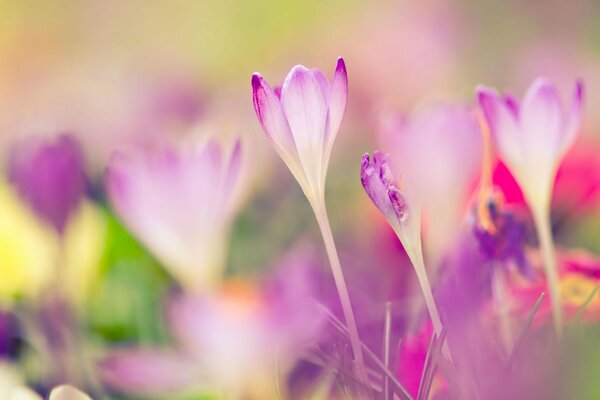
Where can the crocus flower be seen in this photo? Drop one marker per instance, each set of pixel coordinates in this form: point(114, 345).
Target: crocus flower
point(302, 120)
point(532, 139)
point(440, 148)
point(233, 342)
point(50, 175)
point(397, 202)
point(180, 204)
point(63, 392)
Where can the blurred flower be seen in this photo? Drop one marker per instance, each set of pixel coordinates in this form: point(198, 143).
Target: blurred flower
point(179, 203)
point(236, 341)
point(533, 137)
point(440, 148)
point(50, 175)
point(63, 392)
point(302, 120)
point(27, 248)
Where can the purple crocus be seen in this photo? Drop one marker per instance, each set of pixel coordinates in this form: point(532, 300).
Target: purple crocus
point(179, 203)
point(302, 120)
point(49, 173)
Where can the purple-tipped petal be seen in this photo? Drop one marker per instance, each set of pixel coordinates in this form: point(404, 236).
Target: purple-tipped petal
point(337, 100)
point(574, 117)
point(502, 121)
point(271, 116)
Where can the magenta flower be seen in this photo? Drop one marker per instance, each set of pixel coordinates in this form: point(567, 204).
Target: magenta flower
point(180, 204)
point(50, 175)
point(302, 121)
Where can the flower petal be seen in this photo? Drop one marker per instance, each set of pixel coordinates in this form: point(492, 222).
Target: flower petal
point(150, 371)
point(542, 123)
point(270, 114)
point(503, 123)
point(305, 107)
point(337, 106)
point(373, 184)
point(574, 117)
point(66, 392)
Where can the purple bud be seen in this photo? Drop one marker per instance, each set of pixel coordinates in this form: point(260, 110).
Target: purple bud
point(49, 174)
point(378, 181)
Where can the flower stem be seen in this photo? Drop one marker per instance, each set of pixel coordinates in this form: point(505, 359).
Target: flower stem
point(340, 283)
point(416, 257)
point(541, 218)
point(499, 294)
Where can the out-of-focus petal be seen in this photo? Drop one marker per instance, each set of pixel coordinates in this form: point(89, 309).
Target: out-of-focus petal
point(24, 393)
point(150, 372)
point(502, 121)
point(574, 117)
point(66, 392)
point(542, 118)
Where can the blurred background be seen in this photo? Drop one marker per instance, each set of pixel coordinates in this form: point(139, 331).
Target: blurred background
point(115, 73)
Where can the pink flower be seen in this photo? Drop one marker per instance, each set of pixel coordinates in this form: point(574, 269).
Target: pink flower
point(180, 204)
point(234, 341)
point(533, 137)
point(302, 121)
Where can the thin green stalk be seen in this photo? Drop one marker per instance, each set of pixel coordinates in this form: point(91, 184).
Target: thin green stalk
point(340, 283)
point(541, 216)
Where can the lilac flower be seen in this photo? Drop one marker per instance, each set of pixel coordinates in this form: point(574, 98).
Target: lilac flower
point(440, 148)
point(50, 175)
point(234, 341)
point(532, 137)
point(180, 204)
point(302, 121)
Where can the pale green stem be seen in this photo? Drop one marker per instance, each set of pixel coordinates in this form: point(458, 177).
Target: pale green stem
point(387, 328)
point(541, 216)
point(416, 257)
point(340, 283)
